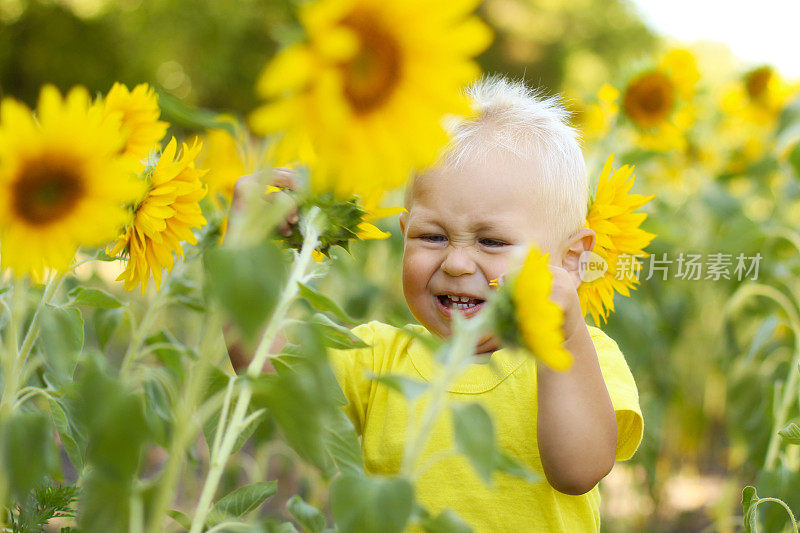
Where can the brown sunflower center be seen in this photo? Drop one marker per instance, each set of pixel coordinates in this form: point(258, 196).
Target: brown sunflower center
point(46, 190)
point(756, 82)
point(649, 99)
point(371, 76)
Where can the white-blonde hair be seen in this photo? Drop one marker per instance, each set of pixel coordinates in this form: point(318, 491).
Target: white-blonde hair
point(511, 117)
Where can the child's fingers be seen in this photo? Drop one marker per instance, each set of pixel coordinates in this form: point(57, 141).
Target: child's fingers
point(285, 178)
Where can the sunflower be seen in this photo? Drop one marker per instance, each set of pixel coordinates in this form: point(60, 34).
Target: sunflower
point(139, 112)
point(613, 219)
point(361, 101)
point(224, 163)
point(538, 318)
point(62, 184)
point(757, 98)
point(658, 101)
point(163, 218)
point(597, 118)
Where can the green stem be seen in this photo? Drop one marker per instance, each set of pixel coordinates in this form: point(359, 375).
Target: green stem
point(234, 428)
point(783, 504)
point(790, 389)
point(143, 329)
point(185, 430)
point(465, 338)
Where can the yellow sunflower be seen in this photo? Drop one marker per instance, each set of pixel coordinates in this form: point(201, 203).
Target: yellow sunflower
point(163, 218)
point(540, 319)
point(224, 163)
point(62, 184)
point(658, 101)
point(596, 119)
point(613, 218)
point(139, 112)
point(361, 101)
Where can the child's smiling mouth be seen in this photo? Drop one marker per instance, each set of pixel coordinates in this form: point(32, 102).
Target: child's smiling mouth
point(466, 305)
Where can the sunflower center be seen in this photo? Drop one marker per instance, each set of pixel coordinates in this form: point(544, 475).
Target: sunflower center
point(649, 99)
point(46, 190)
point(756, 82)
point(373, 73)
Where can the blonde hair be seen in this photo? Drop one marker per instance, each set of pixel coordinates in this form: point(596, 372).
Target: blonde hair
point(510, 116)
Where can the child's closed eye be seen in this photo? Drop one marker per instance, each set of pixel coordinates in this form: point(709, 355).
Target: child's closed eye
point(493, 243)
point(433, 238)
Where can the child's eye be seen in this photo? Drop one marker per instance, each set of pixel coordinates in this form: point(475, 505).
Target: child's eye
point(493, 243)
point(433, 238)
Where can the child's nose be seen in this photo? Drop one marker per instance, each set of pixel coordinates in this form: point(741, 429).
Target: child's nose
point(458, 262)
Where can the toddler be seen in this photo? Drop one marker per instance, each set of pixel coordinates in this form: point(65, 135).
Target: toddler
point(513, 176)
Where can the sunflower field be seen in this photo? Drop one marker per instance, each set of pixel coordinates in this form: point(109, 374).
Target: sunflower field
point(165, 325)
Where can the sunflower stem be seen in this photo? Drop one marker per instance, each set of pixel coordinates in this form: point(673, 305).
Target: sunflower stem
point(14, 357)
point(185, 430)
point(144, 326)
point(465, 337)
point(219, 459)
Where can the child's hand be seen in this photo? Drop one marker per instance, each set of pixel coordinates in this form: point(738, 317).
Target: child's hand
point(565, 294)
point(250, 184)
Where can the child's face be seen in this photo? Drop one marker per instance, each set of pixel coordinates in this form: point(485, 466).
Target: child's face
point(466, 227)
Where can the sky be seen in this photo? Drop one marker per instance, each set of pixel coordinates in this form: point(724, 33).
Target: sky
point(757, 32)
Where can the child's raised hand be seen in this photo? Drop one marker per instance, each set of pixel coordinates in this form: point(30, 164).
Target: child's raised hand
point(565, 294)
point(251, 184)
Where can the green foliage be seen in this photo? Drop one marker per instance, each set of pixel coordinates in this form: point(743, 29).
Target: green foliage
point(246, 282)
point(92, 297)
point(371, 504)
point(474, 435)
point(113, 420)
point(61, 340)
point(240, 502)
point(308, 516)
point(751, 501)
point(791, 433)
point(27, 451)
point(44, 502)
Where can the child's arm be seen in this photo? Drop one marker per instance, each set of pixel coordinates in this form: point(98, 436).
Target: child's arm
point(245, 186)
point(576, 425)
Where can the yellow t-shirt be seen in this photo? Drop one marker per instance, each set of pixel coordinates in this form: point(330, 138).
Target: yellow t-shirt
point(507, 391)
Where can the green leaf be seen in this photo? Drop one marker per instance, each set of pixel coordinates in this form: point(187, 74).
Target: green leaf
point(176, 111)
point(791, 433)
point(241, 501)
point(94, 297)
point(763, 334)
point(70, 437)
point(341, 442)
point(113, 419)
point(169, 351)
point(246, 282)
point(474, 436)
point(749, 504)
point(61, 340)
point(506, 463)
point(320, 302)
point(27, 450)
point(445, 522)
point(408, 387)
point(371, 504)
point(336, 336)
point(182, 519)
point(106, 322)
point(794, 159)
point(210, 428)
point(308, 516)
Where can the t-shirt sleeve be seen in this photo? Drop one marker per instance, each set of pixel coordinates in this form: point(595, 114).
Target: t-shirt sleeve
point(623, 392)
point(350, 368)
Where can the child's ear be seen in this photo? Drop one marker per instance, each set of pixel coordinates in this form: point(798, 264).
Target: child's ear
point(403, 221)
point(579, 242)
